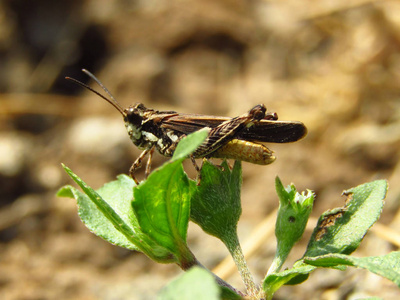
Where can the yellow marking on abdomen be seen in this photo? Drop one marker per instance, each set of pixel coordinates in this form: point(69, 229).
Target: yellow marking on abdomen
point(245, 151)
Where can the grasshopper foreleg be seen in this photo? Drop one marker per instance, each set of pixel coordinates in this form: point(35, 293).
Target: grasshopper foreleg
point(148, 165)
point(138, 163)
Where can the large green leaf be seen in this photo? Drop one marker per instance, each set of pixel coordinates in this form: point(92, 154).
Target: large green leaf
point(216, 205)
point(341, 230)
point(387, 266)
point(162, 203)
point(113, 220)
point(162, 206)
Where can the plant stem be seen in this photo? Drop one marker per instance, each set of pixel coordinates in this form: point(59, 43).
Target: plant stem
point(276, 264)
point(236, 252)
point(282, 252)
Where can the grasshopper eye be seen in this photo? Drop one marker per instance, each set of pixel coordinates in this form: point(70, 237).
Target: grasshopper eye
point(140, 106)
point(133, 117)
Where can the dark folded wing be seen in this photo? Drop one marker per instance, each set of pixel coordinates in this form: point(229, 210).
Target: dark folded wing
point(265, 131)
point(274, 132)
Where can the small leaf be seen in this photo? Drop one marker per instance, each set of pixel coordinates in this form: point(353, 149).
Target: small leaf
point(197, 284)
point(387, 266)
point(113, 221)
point(66, 191)
point(162, 207)
point(216, 208)
point(216, 205)
point(190, 143)
point(341, 230)
point(296, 275)
point(293, 213)
point(275, 280)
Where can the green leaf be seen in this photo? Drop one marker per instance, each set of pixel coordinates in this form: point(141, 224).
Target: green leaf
point(95, 220)
point(162, 207)
point(189, 144)
point(197, 284)
point(296, 275)
point(341, 230)
point(275, 280)
point(162, 203)
point(387, 266)
point(114, 220)
point(293, 213)
point(66, 191)
point(228, 294)
point(216, 205)
point(216, 208)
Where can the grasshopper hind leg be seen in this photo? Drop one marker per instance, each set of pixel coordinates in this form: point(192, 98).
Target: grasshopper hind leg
point(198, 169)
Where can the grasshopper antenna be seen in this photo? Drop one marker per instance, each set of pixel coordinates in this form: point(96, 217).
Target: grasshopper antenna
point(110, 100)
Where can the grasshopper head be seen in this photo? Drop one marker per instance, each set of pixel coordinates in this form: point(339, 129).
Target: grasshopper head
point(133, 118)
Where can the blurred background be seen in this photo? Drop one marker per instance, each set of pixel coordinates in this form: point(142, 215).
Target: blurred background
point(334, 65)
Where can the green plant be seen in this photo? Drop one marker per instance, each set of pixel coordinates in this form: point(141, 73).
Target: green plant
point(153, 218)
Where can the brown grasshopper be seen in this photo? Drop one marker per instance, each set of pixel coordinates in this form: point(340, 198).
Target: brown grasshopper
point(238, 138)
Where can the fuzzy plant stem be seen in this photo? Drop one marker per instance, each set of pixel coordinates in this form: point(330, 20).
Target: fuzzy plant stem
point(236, 252)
